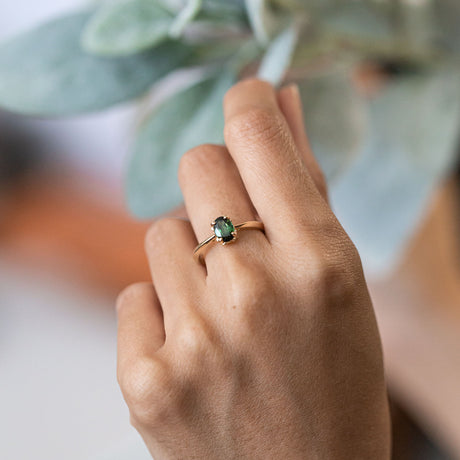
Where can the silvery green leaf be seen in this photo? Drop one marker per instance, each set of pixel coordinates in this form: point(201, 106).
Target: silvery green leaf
point(223, 13)
point(262, 19)
point(189, 118)
point(124, 27)
point(217, 24)
point(218, 13)
point(222, 6)
point(46, 72)
point(186, 15)
point(278, 56)
point(334, 120)
point(411, 145)
point(225, 6)
point(173, 6)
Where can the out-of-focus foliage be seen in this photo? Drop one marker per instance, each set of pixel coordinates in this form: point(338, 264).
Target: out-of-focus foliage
point(152, 175)
point(278, 56)
point(336, 136)
point(118, 51)
point(46, 72)
point(127, 27)
point(410, 144)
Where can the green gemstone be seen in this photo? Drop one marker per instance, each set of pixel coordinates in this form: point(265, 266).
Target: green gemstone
point(224, 228)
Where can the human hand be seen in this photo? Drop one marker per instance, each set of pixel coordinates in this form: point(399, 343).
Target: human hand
point(271, 349)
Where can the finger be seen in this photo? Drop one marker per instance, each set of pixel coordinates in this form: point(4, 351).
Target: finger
point(140, 323)
point(275, 176)
point(291, 106)
point(177, 278)
point(212, 187)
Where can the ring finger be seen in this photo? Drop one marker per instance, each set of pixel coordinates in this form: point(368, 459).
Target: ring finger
point(212, 187)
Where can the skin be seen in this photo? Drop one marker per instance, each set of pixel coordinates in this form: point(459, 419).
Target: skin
point(270, 349)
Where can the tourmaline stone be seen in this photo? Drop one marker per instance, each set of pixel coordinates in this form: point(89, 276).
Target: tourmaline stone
point(223, 228)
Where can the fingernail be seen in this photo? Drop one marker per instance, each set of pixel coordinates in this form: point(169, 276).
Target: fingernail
point(292, 92)
point(291, 100)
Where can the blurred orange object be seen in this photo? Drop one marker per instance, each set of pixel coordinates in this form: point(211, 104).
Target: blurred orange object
point(418, 310)
point(73, 225)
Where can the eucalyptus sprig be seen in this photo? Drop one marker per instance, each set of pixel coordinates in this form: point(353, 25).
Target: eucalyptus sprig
point(120, 50)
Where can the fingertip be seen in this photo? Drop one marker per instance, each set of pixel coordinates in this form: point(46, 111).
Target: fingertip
point(292, 89)
point(290, 101)
point(250, 92)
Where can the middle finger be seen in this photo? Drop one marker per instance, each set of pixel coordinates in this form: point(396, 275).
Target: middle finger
point(277, 179)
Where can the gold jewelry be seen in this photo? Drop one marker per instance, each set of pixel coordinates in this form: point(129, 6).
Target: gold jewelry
point(224, 232)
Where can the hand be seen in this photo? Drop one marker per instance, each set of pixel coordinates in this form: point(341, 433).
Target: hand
point(271, 349)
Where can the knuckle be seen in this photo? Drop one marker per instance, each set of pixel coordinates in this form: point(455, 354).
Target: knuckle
point(145, 386)
point(194, 337)
point(350, 254)
point(324, 270)
point(336, 269)
point(340, 248)
point(132, 292)
point(197, 159)
point(251, 285)
point(262, 124)
point(159, 231)
point(320, 181)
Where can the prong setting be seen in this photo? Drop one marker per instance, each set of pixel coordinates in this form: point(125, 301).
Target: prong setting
point(224, 230)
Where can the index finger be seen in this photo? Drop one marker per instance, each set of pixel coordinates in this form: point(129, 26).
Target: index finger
point(270, 164)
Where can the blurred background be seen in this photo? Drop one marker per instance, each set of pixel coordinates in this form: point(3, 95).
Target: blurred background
point(68, 245)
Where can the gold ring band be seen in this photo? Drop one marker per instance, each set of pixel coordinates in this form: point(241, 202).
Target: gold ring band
point(224, 232)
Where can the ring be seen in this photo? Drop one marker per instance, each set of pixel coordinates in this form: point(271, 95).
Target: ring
point(224, 232)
